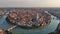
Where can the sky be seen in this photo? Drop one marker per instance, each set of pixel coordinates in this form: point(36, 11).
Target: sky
point(29, 3)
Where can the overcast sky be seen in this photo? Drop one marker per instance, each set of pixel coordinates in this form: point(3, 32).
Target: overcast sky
point(29, 3)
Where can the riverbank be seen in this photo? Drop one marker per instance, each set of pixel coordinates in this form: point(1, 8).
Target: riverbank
point(2, 12)
point(57, 31)
point(55, 13)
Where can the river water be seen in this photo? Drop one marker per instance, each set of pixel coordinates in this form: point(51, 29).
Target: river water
point(49, 28)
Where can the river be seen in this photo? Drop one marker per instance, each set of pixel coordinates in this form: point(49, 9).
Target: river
point(49, 28)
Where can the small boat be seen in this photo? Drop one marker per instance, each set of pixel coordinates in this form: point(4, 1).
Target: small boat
point(9, 29)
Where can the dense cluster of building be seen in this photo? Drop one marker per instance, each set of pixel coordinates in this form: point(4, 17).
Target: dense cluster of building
point(2, 12)
point(24, 17)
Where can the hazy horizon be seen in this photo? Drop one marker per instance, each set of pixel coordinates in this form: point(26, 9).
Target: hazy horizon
point(29, 3)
